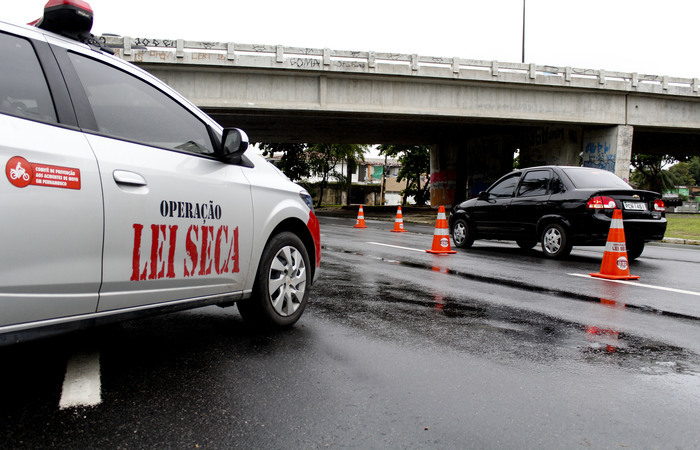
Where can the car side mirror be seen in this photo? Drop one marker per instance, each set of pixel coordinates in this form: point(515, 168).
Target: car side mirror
point(234, 144)
point(483, 195)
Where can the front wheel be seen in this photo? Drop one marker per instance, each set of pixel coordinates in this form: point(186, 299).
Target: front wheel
point(526, 244)
point(280, 290)
point(555, 242)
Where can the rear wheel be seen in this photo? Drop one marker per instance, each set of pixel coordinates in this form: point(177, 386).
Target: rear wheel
point(635, 247)
point(462, 234)
point(555, 242)
point(279, 292)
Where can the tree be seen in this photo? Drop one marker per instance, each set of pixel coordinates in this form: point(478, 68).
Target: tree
point(415, 162)
point(686, 173)
point(694, 167)
point(681, 174)
point(293, 163)
point(649, 172)
point(324, 158)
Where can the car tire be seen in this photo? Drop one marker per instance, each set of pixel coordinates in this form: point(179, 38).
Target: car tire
point(526, 244)
point(280, 291)
point(635, 247)
point(555, 241)
point(462, 234)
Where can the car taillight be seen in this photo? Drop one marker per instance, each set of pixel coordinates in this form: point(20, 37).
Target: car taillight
point(601, 202)
point(659, 205)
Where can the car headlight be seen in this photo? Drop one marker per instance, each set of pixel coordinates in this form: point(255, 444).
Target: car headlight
point(307, 199)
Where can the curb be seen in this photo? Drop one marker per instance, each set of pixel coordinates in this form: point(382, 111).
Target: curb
point(680, 241)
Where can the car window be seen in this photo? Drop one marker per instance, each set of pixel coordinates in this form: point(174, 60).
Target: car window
point(556, 186)
point(23, 88)
point(586, 178)
point(129, 108)
point(534, 183)
point(505, 187)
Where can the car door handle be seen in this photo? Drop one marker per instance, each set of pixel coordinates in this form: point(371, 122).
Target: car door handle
point(128, 178)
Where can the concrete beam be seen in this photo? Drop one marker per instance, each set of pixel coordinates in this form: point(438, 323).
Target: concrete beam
point(609, 148)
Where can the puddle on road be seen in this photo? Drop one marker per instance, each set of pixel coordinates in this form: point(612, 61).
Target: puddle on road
point(415, 317)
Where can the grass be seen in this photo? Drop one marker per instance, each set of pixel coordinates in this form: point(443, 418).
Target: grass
point(683, 226)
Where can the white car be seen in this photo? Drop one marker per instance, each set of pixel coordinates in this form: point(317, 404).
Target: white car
point(121, 198)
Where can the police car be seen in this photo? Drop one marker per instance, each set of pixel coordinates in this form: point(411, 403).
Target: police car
point(122, 198)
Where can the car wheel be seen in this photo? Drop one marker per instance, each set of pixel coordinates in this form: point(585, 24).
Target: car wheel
point(462, 234)
point(526, 244)
point(635, 247)
point(555, 242)
point(279, 292)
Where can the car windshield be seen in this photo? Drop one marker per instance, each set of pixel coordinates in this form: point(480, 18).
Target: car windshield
point(585, 178)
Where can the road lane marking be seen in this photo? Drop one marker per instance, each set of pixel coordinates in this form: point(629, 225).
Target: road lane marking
point(81, 384)
point(396, 246)
point(636, 283)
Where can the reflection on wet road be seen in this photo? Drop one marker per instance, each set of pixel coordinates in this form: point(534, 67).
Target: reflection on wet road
point(427, 307)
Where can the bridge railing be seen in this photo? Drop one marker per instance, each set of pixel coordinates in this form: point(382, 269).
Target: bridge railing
point(164, 51)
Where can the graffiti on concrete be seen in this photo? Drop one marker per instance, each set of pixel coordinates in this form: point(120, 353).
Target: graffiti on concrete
point(599, 155)
point(304, 62)
point(155, 42)
point(316, 63)
point(349, 64)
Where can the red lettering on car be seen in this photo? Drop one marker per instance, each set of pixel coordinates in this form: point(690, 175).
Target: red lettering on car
point(171, 251)
point(157, 252)
point(191, 248)
point(136, 258)
point(206, 261)
point(199, 241)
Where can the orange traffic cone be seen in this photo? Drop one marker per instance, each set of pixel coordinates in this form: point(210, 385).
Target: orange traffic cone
point(615, 264)
point(360, 219)
point(441, 237)
point(398, 222)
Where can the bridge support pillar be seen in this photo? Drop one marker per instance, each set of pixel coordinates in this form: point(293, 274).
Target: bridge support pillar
point(609, 148)
point(462, 168)
point(444, 166)
point(558, 145)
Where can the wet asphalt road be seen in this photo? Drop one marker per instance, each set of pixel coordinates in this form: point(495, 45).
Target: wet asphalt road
point(488, 348)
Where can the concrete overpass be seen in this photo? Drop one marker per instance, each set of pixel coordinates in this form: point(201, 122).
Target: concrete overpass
point(474, 114)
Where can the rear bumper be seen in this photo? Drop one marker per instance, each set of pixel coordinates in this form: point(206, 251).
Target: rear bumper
point(594, 229)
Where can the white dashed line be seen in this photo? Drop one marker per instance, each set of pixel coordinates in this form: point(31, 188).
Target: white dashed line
point(81, 385)
point(396, 246)
point(636, 283)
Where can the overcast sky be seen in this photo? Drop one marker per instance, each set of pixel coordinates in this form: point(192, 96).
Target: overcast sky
point(645, 36)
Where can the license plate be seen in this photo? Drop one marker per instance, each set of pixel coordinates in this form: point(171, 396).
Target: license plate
point(635, 206)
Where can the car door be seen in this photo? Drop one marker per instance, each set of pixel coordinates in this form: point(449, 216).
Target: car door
point(51, 218)
point(178, 221)
point(530, 203)
point(490, 212)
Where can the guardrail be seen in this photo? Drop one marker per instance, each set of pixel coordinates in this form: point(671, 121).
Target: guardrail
point(165, 51)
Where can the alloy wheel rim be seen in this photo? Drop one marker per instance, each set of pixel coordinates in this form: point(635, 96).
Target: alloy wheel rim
point(552, 240)
point(460, 233)
point(287, 281)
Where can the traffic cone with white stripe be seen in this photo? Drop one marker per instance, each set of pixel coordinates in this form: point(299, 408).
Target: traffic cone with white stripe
point(360, 219)
point(398, 222)
point(441, 236)
point(615, 264)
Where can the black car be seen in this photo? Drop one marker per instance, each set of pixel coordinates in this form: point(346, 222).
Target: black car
point(559, 207)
